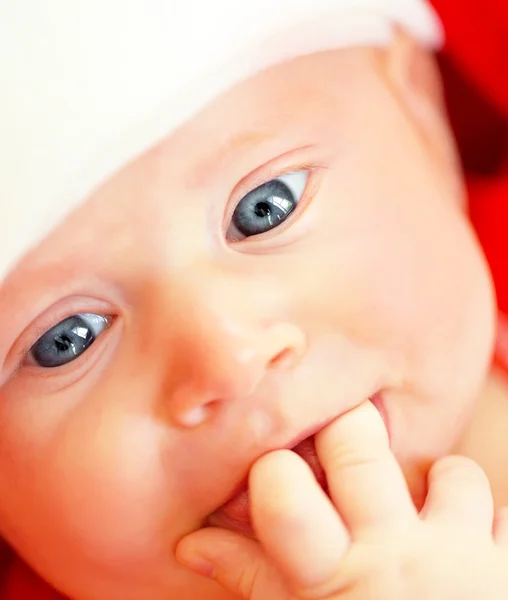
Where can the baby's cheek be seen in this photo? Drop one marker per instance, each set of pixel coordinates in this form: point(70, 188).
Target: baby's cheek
point(356, 289)
point(100, 498)
point(108, 491)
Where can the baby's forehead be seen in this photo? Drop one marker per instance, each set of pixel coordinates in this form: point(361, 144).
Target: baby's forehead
point(265, 115)
point(287, 107)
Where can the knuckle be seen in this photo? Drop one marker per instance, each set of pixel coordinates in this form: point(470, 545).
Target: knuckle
point(348, 456)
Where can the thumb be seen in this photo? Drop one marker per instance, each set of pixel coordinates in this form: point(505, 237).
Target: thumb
point(237, 563)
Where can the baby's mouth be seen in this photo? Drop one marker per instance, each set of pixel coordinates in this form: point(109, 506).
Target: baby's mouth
point(235, 513)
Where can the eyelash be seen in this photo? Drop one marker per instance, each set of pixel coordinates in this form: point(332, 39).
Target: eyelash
point(22, 353)
point(259, 177)
point(244, 188)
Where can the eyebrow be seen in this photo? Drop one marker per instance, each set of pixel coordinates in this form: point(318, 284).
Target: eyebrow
point(206, 169)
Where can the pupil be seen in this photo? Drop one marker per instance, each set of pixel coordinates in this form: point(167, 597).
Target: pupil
point(62, 343)
point(262, 209)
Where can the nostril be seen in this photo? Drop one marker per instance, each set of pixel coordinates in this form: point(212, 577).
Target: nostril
point(282, 359)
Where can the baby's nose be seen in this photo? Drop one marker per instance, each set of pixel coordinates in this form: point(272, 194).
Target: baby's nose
point(228, 353)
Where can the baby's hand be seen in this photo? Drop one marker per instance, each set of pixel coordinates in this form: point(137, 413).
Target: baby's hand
point(368, 542)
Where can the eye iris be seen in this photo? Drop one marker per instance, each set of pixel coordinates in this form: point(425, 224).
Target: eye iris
point(264, 208)
point(63, 343)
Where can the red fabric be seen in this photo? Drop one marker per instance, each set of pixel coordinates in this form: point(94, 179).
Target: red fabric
point(501, 354)
point(475, 69)
point(21, 583)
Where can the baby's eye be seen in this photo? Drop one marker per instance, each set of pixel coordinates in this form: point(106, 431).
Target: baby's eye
point(267, 206)
point(68, 340)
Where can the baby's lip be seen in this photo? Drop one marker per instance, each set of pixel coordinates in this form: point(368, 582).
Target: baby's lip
point(235, 513)
point(378, 401)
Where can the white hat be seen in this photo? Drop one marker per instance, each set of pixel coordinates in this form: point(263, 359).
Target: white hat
point(87, 85)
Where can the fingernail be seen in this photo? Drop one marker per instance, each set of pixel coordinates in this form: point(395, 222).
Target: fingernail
point(199, 565)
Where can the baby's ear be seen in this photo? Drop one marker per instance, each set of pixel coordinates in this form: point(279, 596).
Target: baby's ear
point(415, 79)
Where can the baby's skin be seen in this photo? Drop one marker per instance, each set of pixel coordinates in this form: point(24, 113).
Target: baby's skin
point(294, 257)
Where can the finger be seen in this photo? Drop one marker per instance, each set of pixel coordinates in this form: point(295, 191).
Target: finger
point(237, 563)
point(365, 481)
point(459, 495)
point(295, 521)
point(500, 530)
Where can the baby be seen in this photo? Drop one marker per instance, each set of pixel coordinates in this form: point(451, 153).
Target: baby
point(227, 228)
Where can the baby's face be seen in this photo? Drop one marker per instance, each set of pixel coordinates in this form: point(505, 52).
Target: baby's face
point(293, 251)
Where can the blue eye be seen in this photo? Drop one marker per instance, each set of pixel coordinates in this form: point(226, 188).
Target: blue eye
point(268, 206)
point(68, 340)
